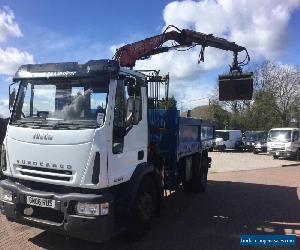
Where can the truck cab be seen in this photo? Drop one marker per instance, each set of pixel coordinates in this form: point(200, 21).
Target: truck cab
point(75, 130)
point(284, 142)
point(88, 149)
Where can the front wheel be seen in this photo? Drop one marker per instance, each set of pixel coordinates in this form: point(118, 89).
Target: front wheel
point(275, 157)
point(142, 209)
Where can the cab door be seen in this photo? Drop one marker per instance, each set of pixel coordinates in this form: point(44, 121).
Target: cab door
point(295, 140)
point(129, 142)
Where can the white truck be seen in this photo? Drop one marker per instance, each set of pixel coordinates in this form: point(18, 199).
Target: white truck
point(86, 148)
point(228, 139)
point(90, 148)
point(284, 142)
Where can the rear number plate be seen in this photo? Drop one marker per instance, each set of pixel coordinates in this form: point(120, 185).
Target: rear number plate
point(40, 202)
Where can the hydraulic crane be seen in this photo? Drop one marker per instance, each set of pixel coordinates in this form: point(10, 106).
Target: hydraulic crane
point(235, 85)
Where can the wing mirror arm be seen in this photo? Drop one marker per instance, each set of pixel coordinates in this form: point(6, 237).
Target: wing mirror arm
point(12, 97)
point(129, 121)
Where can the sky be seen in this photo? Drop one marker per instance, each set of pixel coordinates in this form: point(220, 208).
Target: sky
point(35, 31)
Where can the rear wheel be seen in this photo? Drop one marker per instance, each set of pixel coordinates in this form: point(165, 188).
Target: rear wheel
point(255, 152)
point(198, 181)
point(275, 156)
point(223, 148)
point(143, 208)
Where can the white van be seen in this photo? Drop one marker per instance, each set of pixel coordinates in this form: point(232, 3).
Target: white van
point(228, 139)
point(284, 142)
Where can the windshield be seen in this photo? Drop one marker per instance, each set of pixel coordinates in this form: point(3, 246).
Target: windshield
point(255, 136)
point(61, 104)
point(223, 135)
point(280, 135)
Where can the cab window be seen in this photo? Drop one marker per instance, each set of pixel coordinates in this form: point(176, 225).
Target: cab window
point(295, 135)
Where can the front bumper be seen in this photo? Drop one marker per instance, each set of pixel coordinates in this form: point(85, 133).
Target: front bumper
point(285, 154)
point(219, 147)
point(248, 147)
point(62, 218)
point(260, 149)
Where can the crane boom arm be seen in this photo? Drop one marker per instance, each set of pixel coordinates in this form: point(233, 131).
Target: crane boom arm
point(130, 53)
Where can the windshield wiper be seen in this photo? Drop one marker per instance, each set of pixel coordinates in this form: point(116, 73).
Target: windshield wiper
point(27, 123)
point(56, 126)
point(74, 125)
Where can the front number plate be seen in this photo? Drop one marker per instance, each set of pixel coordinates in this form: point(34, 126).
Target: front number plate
point(40, 202)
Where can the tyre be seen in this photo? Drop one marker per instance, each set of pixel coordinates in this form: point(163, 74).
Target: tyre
point(275, 156)
point(255, 152)
point(298, 155)
point(198, 182)
point(223, 148)
point(143, 208)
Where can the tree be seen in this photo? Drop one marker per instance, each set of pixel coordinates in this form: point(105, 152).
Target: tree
point(262, 114)
point(171, 103)
point(219, 115)
point(276, 100)
point(283, 83)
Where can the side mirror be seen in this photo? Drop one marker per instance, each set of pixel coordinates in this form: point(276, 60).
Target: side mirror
point(133, 110)
point(12, 97)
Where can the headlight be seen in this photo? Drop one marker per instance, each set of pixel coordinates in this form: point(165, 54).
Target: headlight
point(3, 158)
point(5, 195)
point(91, 209)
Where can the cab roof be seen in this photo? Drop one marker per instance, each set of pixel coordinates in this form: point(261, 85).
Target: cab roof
point(103, 67)
point(284, 128)
point(228, 130)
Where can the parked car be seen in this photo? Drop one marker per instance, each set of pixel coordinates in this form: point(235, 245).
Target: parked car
point(284, 142)
point(228, 139)
point(255, 141)
point(260, 146)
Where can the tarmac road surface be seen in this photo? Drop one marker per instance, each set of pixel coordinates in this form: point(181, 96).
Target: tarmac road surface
point(241, 202)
